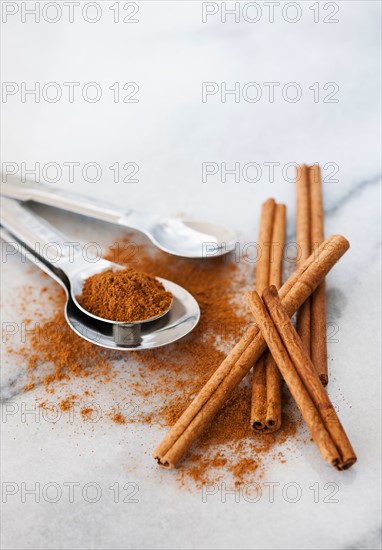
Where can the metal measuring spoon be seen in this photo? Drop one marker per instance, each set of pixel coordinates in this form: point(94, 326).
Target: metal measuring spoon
point(186, 238)
point(32, 236)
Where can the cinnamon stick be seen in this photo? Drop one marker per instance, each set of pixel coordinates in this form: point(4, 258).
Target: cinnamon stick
point(302, 379)
point(265, 238)
point(274, 406)
point(266, 383)
point(303, 245)
point(245, 353)
point(318, 348)
point(278, 240)
point(259, 381)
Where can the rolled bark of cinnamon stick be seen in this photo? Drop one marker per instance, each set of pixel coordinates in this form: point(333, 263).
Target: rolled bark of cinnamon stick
point(265, 238)
point(318, 347)
point(259, 381)
point(259, 395)
point(278, 240)
point(303, 244)
point(274, 403)
point(302, 379)
point(245, 353)
point(266, 384)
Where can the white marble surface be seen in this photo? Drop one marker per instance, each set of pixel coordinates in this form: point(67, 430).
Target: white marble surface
point(169, 134)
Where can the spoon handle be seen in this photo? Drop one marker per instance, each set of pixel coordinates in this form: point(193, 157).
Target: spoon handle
point(19, 247)
point(60, 198)
point(38, 235)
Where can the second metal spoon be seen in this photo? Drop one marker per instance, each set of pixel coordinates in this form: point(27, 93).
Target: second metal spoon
point(191, 239)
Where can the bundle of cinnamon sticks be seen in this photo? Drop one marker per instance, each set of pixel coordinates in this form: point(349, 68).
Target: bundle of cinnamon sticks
point(300, 357)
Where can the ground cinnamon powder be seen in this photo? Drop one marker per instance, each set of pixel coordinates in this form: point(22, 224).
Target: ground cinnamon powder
point(162, 382)
point(124, 295)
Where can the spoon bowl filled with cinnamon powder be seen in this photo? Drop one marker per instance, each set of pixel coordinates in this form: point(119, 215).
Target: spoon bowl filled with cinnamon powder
point(131, 310)
point(125, 296)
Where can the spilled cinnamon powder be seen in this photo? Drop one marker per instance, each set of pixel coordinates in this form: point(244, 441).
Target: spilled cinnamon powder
point(87, 413)
point(118, 418)
point(67, 403)
point(162, 382)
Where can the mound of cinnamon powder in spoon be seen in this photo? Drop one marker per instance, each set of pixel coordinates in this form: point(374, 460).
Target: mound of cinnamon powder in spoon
point(124, 295)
